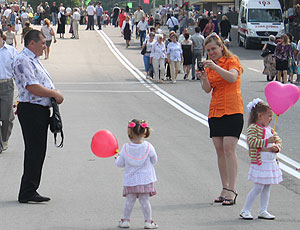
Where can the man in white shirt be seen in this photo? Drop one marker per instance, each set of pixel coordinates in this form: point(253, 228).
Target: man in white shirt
point(7, 55)
point(90, 12)
point(138, 15)
point(25, 18)
point(172, 23)
point(176, 11)
point(142, 28)
point(163, 13)
point(7, 12)
point(75, 23)
point(36, 89)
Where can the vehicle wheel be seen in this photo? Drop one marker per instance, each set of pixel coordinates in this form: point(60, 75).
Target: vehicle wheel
point(247, 43)
point(239, 40)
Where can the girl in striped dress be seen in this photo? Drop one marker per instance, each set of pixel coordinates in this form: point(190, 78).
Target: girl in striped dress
point(138, 158)
point(264, 143)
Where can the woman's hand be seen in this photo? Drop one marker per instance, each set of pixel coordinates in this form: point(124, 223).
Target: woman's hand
point(201, 74)
point(210, 64)
point(204, 81)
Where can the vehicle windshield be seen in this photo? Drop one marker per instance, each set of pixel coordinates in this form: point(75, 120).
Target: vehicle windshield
point(264, 15)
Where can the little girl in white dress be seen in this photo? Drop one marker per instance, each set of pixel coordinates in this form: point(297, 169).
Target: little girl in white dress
point(264, 143)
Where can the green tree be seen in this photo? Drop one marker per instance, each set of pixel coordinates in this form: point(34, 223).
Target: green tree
point(70, 3)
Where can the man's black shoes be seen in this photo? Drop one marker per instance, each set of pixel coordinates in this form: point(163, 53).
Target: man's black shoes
point(35, 199)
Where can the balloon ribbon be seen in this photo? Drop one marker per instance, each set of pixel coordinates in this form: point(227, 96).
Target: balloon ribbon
point(275, 122)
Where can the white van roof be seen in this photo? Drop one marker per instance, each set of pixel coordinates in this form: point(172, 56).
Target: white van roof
point(267, 4)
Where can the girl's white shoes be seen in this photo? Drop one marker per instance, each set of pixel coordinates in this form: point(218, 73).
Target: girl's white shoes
point(265, 215)
point(246, 215)
point(262, 215)
point(124, 224)
point(150, 225)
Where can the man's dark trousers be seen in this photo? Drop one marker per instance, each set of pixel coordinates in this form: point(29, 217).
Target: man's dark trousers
point(99, 22)
point(90, 22)
point(34, 121)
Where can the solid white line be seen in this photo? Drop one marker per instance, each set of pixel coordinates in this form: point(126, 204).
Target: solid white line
point(106, 91)
point(181, 106)
point(97, 83)
point(288, 160)
point(255, 70)
point(289, 170)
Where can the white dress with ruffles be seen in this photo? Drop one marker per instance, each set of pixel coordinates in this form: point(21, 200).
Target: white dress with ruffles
point(268, 172)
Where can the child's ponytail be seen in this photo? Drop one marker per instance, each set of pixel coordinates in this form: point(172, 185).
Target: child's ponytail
point(147, 132)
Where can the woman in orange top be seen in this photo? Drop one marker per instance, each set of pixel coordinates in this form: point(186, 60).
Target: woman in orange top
point(222, 77)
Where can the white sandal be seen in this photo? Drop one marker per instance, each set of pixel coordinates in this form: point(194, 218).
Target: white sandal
point(150, 225)
point(124, 223)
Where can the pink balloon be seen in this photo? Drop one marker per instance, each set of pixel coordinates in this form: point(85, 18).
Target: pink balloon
point(104, 144)
point(281, 97)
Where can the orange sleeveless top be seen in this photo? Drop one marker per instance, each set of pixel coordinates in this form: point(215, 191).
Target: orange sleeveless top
point(226, 97)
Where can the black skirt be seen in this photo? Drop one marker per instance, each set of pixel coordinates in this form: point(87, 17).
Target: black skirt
point(228, 125)
point(187, 54)
point(281, 65)
point(127, 32)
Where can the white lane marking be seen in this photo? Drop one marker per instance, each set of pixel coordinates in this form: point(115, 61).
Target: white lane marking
point(181, 106)
point(106, 91)
point(289, 160)
point(289, 170)
point(255, 70)
point(97, 83)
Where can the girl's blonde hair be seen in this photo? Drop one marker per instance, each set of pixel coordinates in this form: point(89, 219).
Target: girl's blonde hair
point(138, 128)
point(226, 53)
point(47, 22)
point(260, 107)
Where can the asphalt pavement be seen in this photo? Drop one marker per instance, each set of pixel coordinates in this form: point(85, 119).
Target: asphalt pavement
point(104, 91)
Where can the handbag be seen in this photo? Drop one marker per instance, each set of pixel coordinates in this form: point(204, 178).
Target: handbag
point(175, 26)
point(71, 29)
point(56, 123)
point(144, 50)
point(265, 53)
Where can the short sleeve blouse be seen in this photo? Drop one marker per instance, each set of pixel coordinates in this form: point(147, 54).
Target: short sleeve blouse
point(226, 96)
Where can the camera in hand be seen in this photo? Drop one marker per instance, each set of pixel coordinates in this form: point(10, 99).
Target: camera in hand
point(200, 66)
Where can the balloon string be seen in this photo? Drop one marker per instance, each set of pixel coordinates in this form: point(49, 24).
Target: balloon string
point(275, 123)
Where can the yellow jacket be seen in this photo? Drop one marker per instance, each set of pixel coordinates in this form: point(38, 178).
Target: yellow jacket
point(256, 141)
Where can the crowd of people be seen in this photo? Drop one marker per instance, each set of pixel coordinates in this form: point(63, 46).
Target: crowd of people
point(282, 59)
point(176, 53)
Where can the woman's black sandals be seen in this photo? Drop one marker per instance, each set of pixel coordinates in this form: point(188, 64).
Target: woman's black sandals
point(220, 199)
point(228, 202)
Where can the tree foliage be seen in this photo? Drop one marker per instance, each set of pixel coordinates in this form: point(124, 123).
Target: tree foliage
point(71, 3)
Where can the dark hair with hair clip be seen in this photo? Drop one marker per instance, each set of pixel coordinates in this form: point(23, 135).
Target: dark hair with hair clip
point(138, 128)
point(260, 107)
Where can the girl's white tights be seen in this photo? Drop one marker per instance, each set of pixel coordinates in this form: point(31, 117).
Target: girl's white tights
point(264, 191)
point(145, 203)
